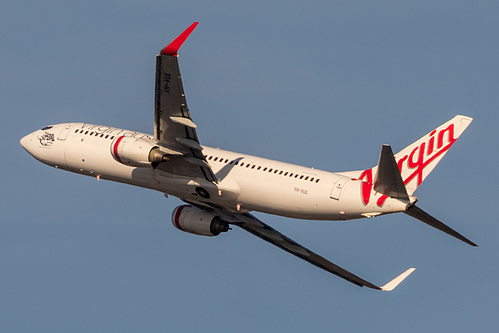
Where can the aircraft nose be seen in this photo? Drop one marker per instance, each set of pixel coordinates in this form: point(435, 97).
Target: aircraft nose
point(27, 142)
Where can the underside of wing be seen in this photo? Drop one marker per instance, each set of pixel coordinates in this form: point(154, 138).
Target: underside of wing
point(173, 125)
point(267, 233)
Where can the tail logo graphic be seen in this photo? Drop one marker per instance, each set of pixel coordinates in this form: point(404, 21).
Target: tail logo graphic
point(413, 164)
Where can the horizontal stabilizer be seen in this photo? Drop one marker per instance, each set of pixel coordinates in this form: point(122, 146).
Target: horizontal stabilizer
point(388, 178)
point(421, 215)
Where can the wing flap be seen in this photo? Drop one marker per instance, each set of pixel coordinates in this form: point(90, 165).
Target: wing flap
point(197, 161)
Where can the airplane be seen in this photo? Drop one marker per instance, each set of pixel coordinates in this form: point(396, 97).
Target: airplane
point(221, 188)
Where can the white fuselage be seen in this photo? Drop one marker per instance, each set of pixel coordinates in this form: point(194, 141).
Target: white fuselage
point(246, 183)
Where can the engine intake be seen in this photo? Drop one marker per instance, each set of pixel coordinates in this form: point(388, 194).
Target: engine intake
point(196, 221)
point(136, 152)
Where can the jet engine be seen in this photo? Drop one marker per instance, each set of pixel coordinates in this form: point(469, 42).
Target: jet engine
point(197, 221)
point(136, 152)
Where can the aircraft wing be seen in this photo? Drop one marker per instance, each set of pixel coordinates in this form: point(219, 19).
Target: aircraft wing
point(253, 225)
point(173, 125)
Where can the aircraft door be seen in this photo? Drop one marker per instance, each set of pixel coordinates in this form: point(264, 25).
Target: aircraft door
point(338, 186)
point(64, 132)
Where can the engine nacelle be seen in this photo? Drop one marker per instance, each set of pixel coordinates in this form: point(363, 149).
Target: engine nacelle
point(197, 221)
point(136, 152)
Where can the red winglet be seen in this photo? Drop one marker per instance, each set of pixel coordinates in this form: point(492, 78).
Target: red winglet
point(173, 47)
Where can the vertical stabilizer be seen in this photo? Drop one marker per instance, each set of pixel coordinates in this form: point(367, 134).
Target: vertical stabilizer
point(417, 160)
point(415, 163)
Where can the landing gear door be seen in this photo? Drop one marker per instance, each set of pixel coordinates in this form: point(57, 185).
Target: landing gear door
point(338, 186)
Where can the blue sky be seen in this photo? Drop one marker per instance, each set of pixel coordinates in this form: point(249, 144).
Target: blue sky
point(319, 83)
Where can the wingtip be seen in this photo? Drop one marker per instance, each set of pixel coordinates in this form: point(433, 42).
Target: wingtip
point(395, 282)
point(172, 48)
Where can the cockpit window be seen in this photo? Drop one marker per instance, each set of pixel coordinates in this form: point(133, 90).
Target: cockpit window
point(47, 128)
